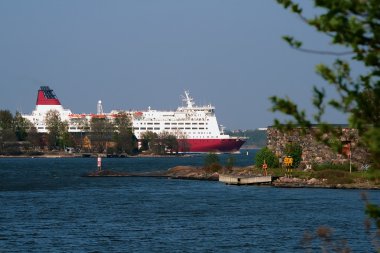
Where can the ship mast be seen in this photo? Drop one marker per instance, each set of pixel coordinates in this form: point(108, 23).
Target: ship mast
point(188, 99)
point(100, 108)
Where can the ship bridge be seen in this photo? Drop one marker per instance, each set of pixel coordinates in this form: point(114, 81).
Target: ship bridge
point(192, 108)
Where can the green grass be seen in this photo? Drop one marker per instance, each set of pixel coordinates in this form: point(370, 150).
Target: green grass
point(334, 176)
point(280, 172)
point(372, 175)
point(331, 166)
point(334, 173)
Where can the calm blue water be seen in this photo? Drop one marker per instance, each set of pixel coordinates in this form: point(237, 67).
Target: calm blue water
point(46, 206)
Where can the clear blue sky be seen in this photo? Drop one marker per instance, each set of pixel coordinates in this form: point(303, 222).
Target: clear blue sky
point(132, 54)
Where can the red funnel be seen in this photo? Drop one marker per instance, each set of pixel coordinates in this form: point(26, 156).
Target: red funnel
point(46, 96)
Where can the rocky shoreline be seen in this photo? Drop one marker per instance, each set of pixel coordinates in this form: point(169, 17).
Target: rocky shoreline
point(86, 155)
point(179, 172)
point(316, 183)
point(199, 173)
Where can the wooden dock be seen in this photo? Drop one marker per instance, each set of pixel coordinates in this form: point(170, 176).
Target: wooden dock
point(245, 180)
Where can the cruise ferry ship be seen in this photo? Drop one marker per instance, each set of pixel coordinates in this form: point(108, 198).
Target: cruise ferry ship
point(195, 127)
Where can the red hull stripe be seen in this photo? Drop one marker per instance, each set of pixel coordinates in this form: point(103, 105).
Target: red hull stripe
point(210, 145)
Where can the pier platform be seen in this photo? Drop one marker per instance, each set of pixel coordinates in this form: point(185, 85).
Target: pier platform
point(245, 180)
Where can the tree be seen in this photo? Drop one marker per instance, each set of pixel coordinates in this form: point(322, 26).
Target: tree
point(159, 144)
point(183, 144)
point(33, 137)
point(6, 119)
point(6, 126)
point(21, 126)
point(148, 140)
point(265, 154)
point(102, 131)
point(58, 135)
point(123, 136)
point(355, 26)
point(169, 142)
point(65, 138)
point(53, 125)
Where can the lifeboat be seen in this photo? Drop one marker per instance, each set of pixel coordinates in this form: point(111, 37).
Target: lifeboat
point(77, 116)
point(98, 116)
point(138, 114)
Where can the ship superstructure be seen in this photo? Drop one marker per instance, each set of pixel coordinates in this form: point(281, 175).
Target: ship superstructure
point(195, 127)
point(46, 101)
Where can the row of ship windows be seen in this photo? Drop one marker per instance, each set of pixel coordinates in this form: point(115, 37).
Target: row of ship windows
point(172, 123)
point(143, 128)
point(207, 137)
point(156, 128)
point(71, 128)
point(168, 128)
point(154, 119)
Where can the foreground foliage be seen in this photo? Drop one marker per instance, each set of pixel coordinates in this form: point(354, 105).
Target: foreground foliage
point(354, 25)
point(328, 241)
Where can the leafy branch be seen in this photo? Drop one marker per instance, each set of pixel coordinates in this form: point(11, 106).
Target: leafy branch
point(355, 25)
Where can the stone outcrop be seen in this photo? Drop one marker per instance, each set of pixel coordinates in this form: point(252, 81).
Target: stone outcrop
point(285, 182)
point(189, 172)
point(314, 152)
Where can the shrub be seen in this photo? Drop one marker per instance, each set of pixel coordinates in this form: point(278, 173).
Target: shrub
point(210, 159)
point(373, 175)
point(230, 162)
point(12, 151)
point(211, 163)
point(111, 150)
point(212, 168)
point(35, 153)
point(295, 151)
point(265, 154)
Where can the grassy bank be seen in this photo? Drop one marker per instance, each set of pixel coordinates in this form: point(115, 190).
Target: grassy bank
point(329, 175)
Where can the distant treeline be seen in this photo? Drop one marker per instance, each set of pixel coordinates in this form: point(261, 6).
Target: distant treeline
point(18, 136)
point(256, 138)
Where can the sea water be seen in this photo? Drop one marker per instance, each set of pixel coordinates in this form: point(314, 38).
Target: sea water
point(47, 206)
